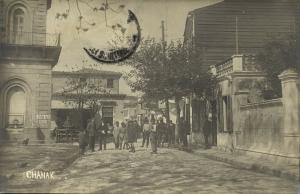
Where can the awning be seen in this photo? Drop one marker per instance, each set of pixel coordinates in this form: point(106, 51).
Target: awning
point(58, 104)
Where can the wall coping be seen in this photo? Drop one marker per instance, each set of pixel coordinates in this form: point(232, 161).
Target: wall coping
point(272, 102)
point(248, 74)
point(272, 153)
point(289, 74)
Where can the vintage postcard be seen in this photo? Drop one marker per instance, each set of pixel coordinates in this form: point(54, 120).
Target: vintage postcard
point(150, 96)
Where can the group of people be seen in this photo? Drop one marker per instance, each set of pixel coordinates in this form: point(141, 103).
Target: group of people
point(160, 133)
point(125, 134)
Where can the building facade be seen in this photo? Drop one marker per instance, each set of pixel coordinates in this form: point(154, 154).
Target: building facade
point(27, 56)
point(251, 122)
point(112, 104)
point(227, 28)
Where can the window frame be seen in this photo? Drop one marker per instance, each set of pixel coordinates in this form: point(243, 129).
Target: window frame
point(110, 83)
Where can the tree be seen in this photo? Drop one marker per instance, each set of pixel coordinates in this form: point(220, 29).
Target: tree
point(177, 72)
point(278, 54)
point(83, 92)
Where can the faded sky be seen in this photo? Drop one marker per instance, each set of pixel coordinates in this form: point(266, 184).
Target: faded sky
point(149, 13)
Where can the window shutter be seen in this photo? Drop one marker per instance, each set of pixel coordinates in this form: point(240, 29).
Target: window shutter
point(220, 113)
point(229, 114)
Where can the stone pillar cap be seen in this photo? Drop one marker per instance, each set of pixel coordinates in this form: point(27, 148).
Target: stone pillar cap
point(288, 74)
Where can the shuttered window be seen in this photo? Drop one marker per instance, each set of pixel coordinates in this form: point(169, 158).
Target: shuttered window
point(225, 120)
point(110, 83)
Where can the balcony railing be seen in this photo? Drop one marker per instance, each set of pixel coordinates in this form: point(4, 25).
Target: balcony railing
point(16, 120)
point(29, 38)
point(237, 63)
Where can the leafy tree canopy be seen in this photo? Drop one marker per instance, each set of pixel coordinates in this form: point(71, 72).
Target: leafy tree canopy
point(166, 71)
point(279, 54)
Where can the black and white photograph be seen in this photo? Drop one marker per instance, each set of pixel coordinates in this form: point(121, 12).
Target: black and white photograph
point(150, 96)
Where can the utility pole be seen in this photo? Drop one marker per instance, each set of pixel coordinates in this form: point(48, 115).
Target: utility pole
point(236, 35)
point(163, 36)
point(163, 66)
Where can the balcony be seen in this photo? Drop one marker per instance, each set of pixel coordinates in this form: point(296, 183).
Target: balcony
point(15, 120)
point(30, 38)
point(237, 63)
point(24, 46)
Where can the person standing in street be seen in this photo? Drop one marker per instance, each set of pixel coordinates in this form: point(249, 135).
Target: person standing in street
point(122, 134)
point(208, 122)
point(132, 132)
point(98, 124)
point(125, 138)
point(146, 132)
point(91, 129)
point(153, 136)
point(171, 133)
point(183, 131)
point(207, 130)
point(102, 136)
point(116, 134)
point(82, 141)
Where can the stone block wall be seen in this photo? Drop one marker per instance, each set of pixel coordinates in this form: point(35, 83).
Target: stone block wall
point(37, 78)
point(34, 31)
point(260, 127)
point(37, 9)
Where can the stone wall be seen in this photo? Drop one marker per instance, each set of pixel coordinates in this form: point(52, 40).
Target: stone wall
point(271, 128)
point(260, 126)
point(37, 78)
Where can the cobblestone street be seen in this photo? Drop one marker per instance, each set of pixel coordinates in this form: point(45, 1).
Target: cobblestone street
point(170, 171)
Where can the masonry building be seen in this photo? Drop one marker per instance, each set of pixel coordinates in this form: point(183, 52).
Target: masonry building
point(112, 104)
point(227, 35)
point(27, 56)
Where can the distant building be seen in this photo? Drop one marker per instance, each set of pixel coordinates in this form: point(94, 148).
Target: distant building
point(27, 56)
point(112, 102)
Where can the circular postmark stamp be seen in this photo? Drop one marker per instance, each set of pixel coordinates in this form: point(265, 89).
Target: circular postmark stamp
point(122, 46)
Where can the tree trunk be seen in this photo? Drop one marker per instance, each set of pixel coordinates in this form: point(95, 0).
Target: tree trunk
point(167, 110)
point(177, 99)
point(81, 112)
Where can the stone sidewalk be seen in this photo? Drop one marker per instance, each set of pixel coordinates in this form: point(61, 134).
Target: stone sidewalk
point(288, 171)
point(16, 160)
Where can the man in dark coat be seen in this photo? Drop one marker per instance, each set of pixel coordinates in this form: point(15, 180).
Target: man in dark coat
point(183, 131)
point(91, 129)
point(171, 133)
point(160, 132)
point(82, 141)
point(132, 133)
point(102, 136)
point(208, 123)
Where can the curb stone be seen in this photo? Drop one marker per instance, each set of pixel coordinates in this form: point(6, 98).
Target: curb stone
point(254, 167)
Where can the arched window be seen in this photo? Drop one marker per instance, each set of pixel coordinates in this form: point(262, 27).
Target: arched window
point(18, 20)
point(19, 24)
point(16, 101)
